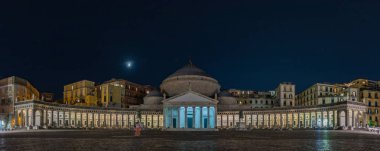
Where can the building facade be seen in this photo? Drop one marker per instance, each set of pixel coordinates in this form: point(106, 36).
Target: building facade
point(80, 93)
point(255, 99)
point(13, 90)
point(372, 98)
point(190, 99)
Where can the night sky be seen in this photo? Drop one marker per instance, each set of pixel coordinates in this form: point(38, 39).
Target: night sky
point(245, 45)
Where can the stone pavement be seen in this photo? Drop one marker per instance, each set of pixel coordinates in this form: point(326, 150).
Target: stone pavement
point(198, 141)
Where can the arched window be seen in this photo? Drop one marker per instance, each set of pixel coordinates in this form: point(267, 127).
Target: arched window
point(369, 103)
point(376, 104)
point(284, 95)
point(354, 93)
point(290, 96)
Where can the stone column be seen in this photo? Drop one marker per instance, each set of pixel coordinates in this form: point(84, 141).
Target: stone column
point(41, 117)
point(93, 120)
point(328, 118)
point(347, 117)
point(233, 120)
point(179, 118)
point(208, 116)
point(128, 125)
point(69, 123)
point(122, 120)
point(310, 121)
point(322, 113)
point(51, 118)
point(201, 118)
point(16, 118)
point(316, 118)
point(27, 118)
point(304, 119)
point(158, 120)
point(134, 117)
point(33, 117)
point(171, 117)
point(292, 119)
point(98, 122)
point(87, 119)
point(64, 118)
point(146, 120)
point(281, 121)
point(81, 119)
point(269, 124)
point(151, 121)
point(251, 115)
point(257, 120)
point(287, 120)
point(111, 120)
point(245, 119)
point(298, 120)
point(185, 117)
point(59, 124)
point(193, 118)
point(75, 120)
point(275, 120)
point(263, 121)
point(116, 120)
point(364, 118)
point(338, 118)
point(228, 122)
point(353, 119)
point(333, 119)
point(45, 112)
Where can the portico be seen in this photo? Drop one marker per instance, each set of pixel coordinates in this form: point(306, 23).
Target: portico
point(190, 111)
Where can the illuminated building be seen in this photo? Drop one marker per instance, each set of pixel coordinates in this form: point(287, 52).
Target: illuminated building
point(12, 90)
point(190, 99)
point(254, 99)
point(130, 93)
point(80, 93)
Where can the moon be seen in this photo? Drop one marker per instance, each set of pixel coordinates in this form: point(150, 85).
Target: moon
point(129, 64)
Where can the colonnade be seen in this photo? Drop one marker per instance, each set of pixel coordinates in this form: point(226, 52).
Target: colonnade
point(293, 119)
point(189, 116)
point(66, 118)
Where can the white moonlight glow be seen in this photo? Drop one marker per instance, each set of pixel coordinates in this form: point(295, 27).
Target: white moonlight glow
point(129, 64)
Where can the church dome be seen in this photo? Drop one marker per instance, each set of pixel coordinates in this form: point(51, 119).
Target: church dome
point(191, 78)
point(189, 69)
point(153, 98)
point(226, 98)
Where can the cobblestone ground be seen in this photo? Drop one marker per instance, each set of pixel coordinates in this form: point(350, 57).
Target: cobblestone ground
point(156, 140)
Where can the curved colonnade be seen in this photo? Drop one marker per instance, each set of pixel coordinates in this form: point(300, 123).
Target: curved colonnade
point(42, 114)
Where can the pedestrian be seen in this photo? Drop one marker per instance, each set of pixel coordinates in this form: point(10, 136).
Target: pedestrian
point(138, 129)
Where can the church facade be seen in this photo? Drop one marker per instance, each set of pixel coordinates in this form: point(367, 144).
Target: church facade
point(191, 100)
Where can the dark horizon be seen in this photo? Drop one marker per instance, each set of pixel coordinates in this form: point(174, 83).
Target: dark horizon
point(244, 45)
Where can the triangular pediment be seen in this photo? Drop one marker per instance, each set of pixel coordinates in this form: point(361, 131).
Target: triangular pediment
point(190, 97)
